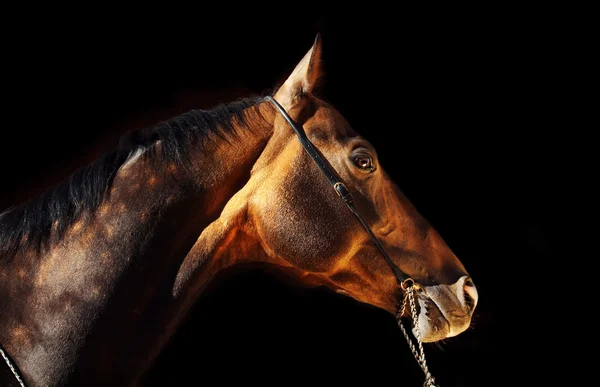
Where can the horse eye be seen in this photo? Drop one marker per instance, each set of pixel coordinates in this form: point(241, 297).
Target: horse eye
point(364, 162)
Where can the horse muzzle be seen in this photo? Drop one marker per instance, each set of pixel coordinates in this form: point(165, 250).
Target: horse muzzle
point(443, 311)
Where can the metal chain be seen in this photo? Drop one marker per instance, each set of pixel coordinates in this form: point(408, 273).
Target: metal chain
point(419, 352)
point(12, 368)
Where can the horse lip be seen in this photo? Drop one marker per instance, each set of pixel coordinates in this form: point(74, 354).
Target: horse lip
point(439, 323)
point(449, 316)
point(441, 316)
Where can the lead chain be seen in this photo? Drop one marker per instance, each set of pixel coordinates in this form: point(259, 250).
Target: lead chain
point(418, 352)
point(12, 368)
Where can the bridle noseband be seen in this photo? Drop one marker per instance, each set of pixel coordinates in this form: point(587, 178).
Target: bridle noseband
point(342, 191)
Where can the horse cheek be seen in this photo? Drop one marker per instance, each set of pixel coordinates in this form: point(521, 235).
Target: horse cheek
point(306, 237)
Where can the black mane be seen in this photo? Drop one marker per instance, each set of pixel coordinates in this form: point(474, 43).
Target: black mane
point(30, 224)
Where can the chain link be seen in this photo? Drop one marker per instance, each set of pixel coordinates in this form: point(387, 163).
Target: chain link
point(418, 351)
point(12, 368)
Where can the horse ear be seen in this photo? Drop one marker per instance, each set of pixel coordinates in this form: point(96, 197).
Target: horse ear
point(304, 78)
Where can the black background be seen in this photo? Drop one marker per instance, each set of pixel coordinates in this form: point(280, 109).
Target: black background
point(461, 104)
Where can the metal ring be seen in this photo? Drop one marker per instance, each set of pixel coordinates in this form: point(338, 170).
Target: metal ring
point(405, 284)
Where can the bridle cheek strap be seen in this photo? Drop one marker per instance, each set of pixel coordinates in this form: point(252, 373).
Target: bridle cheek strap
point(407, 284)
point(339, 187)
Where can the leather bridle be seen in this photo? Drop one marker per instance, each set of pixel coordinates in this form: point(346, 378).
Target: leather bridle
point(407, 284)
point(342, 191)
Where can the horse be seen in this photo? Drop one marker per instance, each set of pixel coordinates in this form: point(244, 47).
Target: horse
point(98, 272)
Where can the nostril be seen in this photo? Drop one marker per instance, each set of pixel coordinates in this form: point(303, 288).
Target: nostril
point(470, 293)
point(469, 301)
point(469, 282)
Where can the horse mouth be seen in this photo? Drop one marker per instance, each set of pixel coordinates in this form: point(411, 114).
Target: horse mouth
point(431, 324)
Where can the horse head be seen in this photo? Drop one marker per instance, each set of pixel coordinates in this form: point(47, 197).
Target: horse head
point(288, 214)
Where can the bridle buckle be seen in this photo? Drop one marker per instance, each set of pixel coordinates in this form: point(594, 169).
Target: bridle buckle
point(343, 192)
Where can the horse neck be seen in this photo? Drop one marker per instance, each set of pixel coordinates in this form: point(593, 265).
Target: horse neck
point(106, 286)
